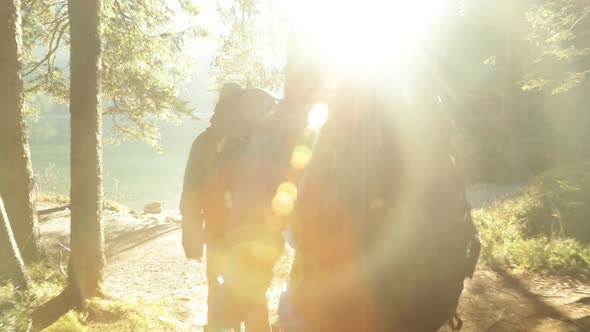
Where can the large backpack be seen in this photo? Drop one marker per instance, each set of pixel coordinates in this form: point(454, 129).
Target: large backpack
point(212, 164)
point(248, 109)
point(385, 240)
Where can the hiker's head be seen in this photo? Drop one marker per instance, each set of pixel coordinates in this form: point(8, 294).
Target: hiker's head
point(224, 104)
point(240, 108)
point(253, 103)
point(228, 89)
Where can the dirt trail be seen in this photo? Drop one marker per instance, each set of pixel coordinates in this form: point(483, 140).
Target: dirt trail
point(501, 301)
point(146, 263)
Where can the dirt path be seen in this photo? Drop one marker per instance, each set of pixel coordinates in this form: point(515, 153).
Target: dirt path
point(501, 301)
point(157, 271)
point(146, 263)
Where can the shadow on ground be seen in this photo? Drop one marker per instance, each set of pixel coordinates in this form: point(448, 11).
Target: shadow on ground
point(121, 242)
point(501, 301)
point(120, 235)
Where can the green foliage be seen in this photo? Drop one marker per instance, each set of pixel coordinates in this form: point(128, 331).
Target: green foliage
point(563, 196)
point(70, 322)
point(510, 146)
point(143, 63)
point(559, 34)
point(51, 198)
point(115, 315)
point(45, 36)
point(113, 206)
point(143, 60)
point(545, 229)
point(252, 50)
point(45, 197)
point(16, 307)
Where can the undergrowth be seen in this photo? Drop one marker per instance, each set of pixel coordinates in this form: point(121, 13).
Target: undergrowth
point(51, 198)
point(99, 314)
point(545, 229)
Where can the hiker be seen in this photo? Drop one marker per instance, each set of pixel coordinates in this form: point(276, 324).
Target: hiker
point(205, 215)
point(229, 197)
point(254, 240)
point(381, 223)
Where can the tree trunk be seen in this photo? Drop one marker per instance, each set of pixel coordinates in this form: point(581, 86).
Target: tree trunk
point(87, 258)
point(9, 255)
point(16, 175)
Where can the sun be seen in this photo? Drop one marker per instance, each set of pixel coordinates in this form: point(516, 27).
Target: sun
point(350, 34)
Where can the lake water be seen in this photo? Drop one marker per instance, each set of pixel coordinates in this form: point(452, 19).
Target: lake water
point(134, 173)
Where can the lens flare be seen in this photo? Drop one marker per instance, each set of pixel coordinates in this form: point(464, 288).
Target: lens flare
point(301, 156)
point(318, 115)
point(288, 188)
point(282, 204)
point(348, 35)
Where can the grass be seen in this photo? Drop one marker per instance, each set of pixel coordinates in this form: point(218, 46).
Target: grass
point(113, 206)
point(52, 198)
point(15, 306)
point(116, 315)
point(546, 229)
point(98, 315)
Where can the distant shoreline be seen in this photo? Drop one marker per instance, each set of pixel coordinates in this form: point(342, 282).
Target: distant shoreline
point(67, 115)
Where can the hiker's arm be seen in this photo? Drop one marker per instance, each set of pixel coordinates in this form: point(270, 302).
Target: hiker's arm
point(193, 237)
point(189, 186)
point(192, 219)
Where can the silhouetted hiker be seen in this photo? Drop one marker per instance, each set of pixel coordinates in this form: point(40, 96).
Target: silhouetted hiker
point(205, 214)
point(229, 196)
point(380, 219)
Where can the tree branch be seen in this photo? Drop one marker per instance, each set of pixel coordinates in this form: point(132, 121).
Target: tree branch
point(51, 49)
point(58, 20)
point(121, 12)
point(57, 42)
point(580, 18)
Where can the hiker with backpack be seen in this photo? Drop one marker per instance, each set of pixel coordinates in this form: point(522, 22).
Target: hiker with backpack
point(230, 183)
point(381, 222)
point(204, 212)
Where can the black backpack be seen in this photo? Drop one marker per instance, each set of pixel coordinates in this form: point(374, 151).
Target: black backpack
point(213, 159)
point(246, 111)
point(416, 245)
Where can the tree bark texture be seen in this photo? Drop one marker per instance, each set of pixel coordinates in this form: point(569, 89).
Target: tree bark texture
point(87, 258)
point(16, 175)
point(10, 258)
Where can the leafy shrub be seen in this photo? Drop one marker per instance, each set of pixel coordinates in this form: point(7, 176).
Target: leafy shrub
point(546, 229)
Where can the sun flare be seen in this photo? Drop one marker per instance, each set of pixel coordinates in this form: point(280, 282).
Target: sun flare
point(348, 34)
point(318, 115)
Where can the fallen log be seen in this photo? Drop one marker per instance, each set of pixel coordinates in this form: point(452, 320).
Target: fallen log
point(53, 210)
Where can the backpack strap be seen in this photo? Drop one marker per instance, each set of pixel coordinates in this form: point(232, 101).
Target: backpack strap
point(455, 323)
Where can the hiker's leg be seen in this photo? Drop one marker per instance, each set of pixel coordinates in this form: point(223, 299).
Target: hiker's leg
point(221, 315)
point(215, 317)
point(262, 273)
point(258, 318)
point(237, 327)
